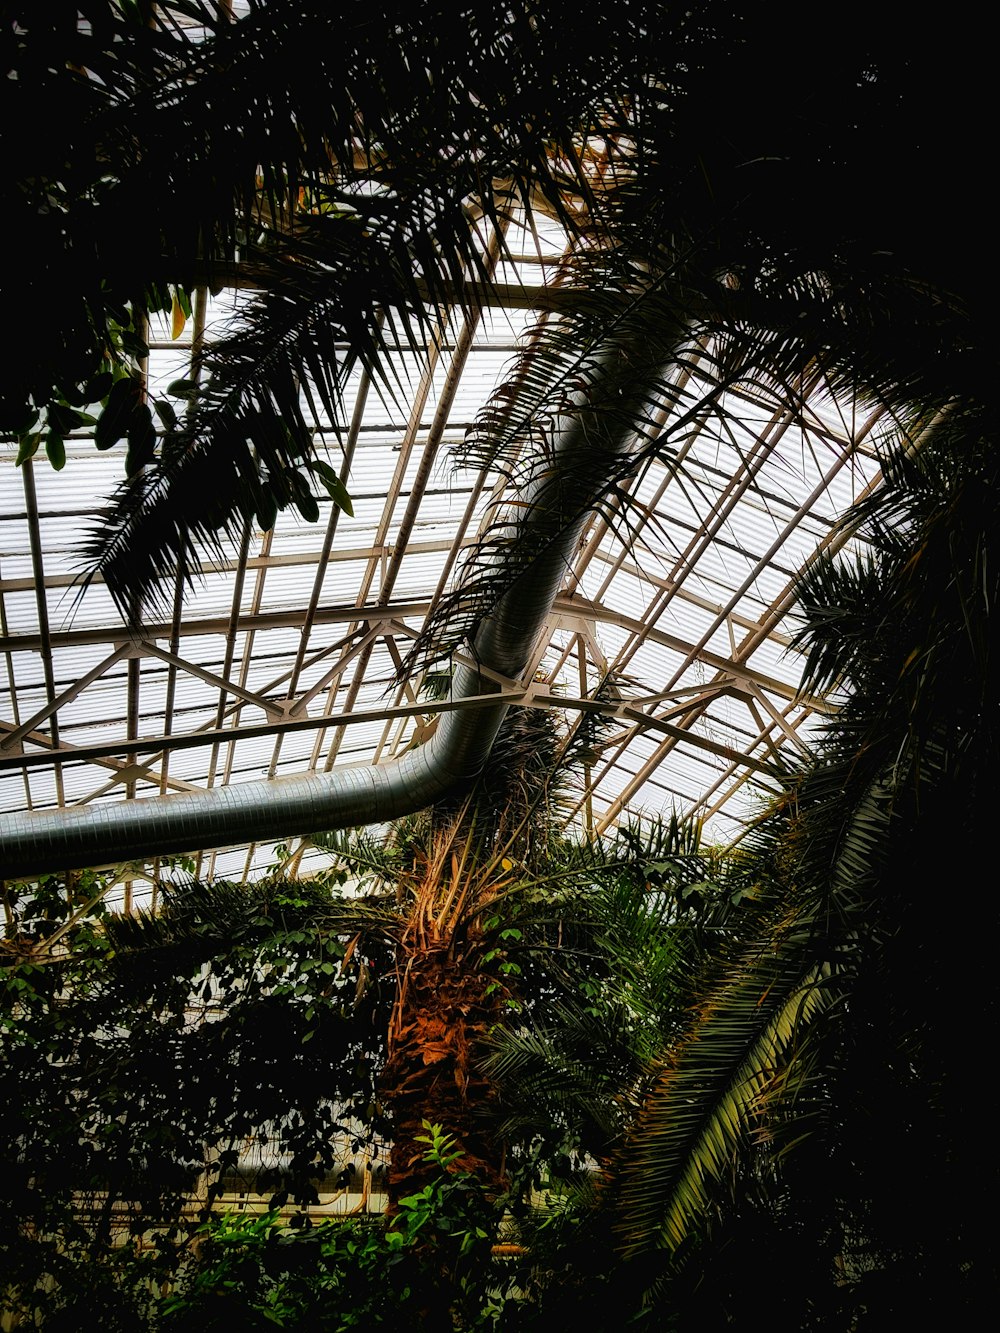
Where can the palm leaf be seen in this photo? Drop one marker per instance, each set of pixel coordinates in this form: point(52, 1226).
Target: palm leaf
point(711, 1098)
point(392, 160)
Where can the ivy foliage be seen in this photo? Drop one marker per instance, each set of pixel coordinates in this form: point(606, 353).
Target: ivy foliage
point(429, 1267)
point(128, 1071)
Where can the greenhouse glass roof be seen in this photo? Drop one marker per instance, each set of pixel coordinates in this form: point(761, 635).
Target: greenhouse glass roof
point(285, 656)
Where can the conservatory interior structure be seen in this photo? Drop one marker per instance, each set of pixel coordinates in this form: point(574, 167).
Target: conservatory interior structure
point(673, 616)
point(347, 421)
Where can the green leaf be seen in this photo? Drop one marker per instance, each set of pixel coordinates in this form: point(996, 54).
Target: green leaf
point(28, 447)
point(62, 419)
point(115, 421)
point(166, 413)
point(134, 345)
point(266, 510)
point(21, 419)
point(98, 388)
point(334, 486)
point(56, 450)
point(141, 440)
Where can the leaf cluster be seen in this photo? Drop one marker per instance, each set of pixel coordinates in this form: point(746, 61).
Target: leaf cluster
point(429, 1264)
point(153, 1049)
point(818, 1099)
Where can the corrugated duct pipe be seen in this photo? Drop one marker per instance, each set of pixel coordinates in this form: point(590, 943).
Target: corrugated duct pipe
point(36, 842)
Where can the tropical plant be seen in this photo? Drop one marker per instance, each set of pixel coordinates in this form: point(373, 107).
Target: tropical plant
point(724, 239)
point(136, 1063)
point(360, 1001)
point(821, 1098)
point(356, 192)
point(348, 191)
point(605, 996)
point(430, 1265)
point(460, 881)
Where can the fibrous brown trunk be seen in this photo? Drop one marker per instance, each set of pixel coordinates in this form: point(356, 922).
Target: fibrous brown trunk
point(442, 1015)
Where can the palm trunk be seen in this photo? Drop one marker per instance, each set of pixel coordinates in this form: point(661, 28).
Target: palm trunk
point(439, 1026)
point(444, 1008)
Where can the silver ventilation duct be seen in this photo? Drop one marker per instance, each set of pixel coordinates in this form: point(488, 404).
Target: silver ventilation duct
point(591, 429)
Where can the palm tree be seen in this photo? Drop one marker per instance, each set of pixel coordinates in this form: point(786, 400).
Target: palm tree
point(462, 879)
point(688, 273)
point(825, 1084)
point(724, 226)
point(347, 193)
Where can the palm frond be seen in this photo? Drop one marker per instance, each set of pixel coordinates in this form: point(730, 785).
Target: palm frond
point(839, 858)
point(567, 1077)
point(710, 1100)
point(201, 920)
point(605, 975)
point(365, 855)
point(367, 171)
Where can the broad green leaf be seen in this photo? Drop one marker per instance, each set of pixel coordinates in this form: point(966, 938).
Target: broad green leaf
point(99, 387)
point(21, 420)
point(134, 345)
point(63, 419)
point(115, 421)
point(305, 503)
point(28, 447)
point(56, 449)
point(165, 411)
point(335, 488)
point(141, 440)
point(266, 510)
